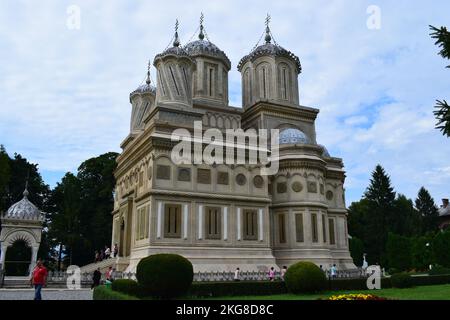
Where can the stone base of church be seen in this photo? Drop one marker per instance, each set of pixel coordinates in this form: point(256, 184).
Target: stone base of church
point(324, 257)
point(213, 259)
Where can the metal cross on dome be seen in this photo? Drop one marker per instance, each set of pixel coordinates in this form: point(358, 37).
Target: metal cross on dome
point(268, 20)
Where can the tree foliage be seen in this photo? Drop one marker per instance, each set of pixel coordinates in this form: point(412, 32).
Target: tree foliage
point(442, 112)
point(428, 211)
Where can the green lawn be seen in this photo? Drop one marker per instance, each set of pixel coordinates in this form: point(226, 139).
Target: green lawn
point(436, 292)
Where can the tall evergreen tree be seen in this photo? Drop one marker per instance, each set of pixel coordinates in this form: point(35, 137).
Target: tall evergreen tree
point(428, 211)
point(442, 112)
point(380, 195)
point(5, 177)
point(405, 220)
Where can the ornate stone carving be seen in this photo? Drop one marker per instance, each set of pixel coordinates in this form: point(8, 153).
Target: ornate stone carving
point(204, 176)
point(312, 186)
point(241, 179)
point(184, 174)
point(222, 178)
point(329, 195)
point(322, 189)
point(258, 181)
point(281, 187)
point(163, 172)
point(149, 172)
point(297, 186)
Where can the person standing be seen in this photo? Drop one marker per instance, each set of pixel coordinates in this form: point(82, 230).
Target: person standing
point(271, 274)
point(107, 252)
point(333, 271)
point(108, 275)
point(96, 278)
point(38, 279)
point(116, 250)
point(237, 275)
point(283, 272)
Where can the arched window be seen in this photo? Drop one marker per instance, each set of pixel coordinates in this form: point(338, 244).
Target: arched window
point(284, 75)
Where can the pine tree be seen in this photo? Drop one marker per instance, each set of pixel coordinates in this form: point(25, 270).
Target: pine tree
point(428, 211)
point(442, 112)
point(380, 195)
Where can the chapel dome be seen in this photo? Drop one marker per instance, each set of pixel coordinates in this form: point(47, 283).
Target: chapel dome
point(24, 209)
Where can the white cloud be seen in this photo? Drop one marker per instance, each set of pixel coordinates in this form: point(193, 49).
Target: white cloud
point(64, 93)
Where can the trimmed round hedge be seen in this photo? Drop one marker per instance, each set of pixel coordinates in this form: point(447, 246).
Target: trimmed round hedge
point(401, 280)
point(165, 275)
point(305, 277)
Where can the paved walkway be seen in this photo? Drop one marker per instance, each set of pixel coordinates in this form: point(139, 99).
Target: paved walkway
point(47, 294)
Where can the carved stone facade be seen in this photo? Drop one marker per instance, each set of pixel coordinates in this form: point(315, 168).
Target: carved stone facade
point(225, 216)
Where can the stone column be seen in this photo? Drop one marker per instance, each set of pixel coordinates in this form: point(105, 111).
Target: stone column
point(4, 247)
point(34, 252)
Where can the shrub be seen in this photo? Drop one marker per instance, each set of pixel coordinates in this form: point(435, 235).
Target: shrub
point(441, 248)
point(165, 275)
point(236, 288)
point(305, 277)
point(355, 296)
point(401, 280)
point(398, 252)
point(392, 271)
point(439, 270)
point(129, 287)
point(104, 293)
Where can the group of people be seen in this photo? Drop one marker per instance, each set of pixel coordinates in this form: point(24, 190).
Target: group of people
point(271, 274)
point(106, 253)
point(97, 276)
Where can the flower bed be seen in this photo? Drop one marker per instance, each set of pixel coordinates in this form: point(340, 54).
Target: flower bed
point(355, 296)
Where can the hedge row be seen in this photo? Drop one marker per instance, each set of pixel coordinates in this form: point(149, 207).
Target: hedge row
point(236, 288)
point(104, 293)
point(253, 288)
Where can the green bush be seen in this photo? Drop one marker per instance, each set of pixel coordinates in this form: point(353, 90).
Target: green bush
point(441, 248)
point(165, 275)
point(401, 280)
point(398, 252)
point(104, 293)
point(305, 277)
point(392, 271)
point(129, 287)
point(236, 288)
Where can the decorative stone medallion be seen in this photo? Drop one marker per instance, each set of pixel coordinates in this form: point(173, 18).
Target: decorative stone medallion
point(222, 178)
point(258, 181)
point(184, 174)
point(163, 172)
point(204, 176)
point(241, 179)
point(329, 195)
point(297, 186)
point(281, 187)
point(312, 186)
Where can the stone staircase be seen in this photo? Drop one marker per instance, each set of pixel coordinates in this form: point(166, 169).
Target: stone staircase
point(103, 265)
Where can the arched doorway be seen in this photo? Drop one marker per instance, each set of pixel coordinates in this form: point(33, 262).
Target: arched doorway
point(18, 259)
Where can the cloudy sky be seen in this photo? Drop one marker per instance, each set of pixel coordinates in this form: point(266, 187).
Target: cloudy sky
point(64, 91)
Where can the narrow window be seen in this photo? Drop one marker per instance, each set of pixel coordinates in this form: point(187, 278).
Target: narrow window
point(210, 79)
point(162, 83)
point(264, 83)
point(299, 227)
point(213, 223)
point(172, 221)
point(284, 84)
point(324, 228)
point(174, 81)
point(185, 77)
point(282, 228)
point(250, 225)
point(331, 229)
point(314, 227)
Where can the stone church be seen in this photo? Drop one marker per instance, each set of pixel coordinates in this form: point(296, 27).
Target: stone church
point(225, 216)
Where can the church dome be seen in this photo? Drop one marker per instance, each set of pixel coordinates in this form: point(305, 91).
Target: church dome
point(270, 49)
point(293, 136)
point(206, 48)
point(176, 50)
point(144, 88)
point(24, 210)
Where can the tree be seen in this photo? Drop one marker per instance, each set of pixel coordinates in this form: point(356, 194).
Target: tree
point(441, 248)
point(405, 220)
point(380, 196)
point(398, 252)
point(5, 177)
point(421, 252)
point(442, 114)
point(428, 211)
point(356, 247)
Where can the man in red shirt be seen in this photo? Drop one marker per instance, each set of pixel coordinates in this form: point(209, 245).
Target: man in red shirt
point(38, 279)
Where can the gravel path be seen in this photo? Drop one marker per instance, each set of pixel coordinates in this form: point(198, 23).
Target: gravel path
point(47, 294)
